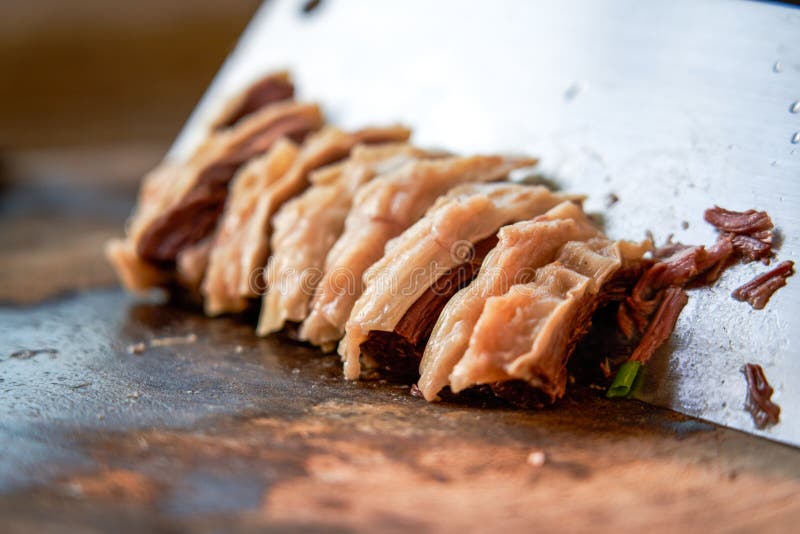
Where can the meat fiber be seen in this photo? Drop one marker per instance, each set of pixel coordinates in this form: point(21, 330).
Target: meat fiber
point(443, 239)
point(382, 209)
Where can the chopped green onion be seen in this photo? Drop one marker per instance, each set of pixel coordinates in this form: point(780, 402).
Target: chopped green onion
point(623, 382)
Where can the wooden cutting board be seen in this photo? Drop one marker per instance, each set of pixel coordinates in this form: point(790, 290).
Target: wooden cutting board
point(220, 430)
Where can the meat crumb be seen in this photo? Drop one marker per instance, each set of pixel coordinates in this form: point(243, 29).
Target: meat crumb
point(27, 354)
point(173, 340)
point(537, 458)
point(605, 368)
point(415, 392)
point(137, 348)
point(310, 5)
point(759, 393)
point(758, 291)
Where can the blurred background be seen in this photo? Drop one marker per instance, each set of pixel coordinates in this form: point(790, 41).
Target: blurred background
point(89, 72)
point(93, 93)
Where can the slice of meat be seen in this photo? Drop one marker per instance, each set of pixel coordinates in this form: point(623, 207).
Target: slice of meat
point(439, 242)
point(522, 248)
point(273, 87)
point(179, 202)
point(241, 249)
point(382, 209)
point(541, 321)
point(398, 353)
point(192, 263)
point(239, 245)
point(135, 274)
point(306, 227)
point(186, 210)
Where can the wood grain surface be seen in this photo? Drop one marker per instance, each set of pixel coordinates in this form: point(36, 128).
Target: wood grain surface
point(235, 433)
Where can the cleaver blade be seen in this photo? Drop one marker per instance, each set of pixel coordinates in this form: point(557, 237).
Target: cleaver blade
point(670, 106)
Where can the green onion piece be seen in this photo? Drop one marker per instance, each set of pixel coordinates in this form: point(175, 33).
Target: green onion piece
point(623, 382)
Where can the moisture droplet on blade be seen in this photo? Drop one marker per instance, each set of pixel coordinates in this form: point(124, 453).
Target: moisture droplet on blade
point(795, 108)
point(573, 91)
point(796, 138)
point(777, 67)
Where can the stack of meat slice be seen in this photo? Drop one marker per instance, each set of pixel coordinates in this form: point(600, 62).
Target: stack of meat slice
point(248, 166)
point(180, 201)
point(306, 228)
point(382, 209)
point(541, 321)
point(241, 248)
point(532, 300)
point(516, 323)
point(426, 261)
point(417, 263)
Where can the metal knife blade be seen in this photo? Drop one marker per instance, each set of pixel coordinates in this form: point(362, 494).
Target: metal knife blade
point(672, 106)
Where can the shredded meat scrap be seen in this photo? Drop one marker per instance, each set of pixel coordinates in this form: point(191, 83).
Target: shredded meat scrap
point(758, 291)
point(750, 222)
point(750, 231)
point(686, 265)
point(759, 393)
point(662, 325)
